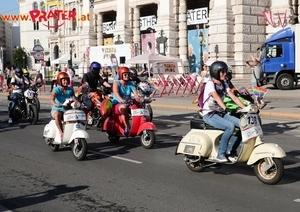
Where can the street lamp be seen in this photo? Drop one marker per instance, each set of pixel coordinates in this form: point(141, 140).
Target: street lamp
point(71, 52)
point(201, 50)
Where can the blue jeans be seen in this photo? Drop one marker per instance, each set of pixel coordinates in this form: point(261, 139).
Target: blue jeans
point(228, 124)
point(13, 98)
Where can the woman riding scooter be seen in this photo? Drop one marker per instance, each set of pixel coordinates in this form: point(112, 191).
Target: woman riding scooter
point(122, 90)
point(215, 112)
point(59, 95)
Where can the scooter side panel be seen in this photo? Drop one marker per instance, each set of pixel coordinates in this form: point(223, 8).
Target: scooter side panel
point(78, 134)
point(199, 142)
point(50, 130)
point(266, 150)
point(146, 126)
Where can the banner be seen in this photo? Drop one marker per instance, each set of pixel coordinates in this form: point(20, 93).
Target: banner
point(111, 56)
point(195, 48)
point(148, 43)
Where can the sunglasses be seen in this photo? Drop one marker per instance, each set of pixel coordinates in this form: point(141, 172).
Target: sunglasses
point(126, 74)
point(224, 71)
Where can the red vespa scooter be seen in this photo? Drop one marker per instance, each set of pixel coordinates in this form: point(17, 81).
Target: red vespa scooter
point(140, 126)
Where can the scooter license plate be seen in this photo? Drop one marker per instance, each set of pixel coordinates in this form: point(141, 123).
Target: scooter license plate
point(140, 112)
point(252, 127)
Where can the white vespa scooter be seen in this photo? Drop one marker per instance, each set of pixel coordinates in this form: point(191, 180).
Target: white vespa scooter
point(74, 132)
point(200, 147)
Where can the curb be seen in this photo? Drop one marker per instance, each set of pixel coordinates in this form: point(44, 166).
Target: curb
point(267, 114)
point(263, 113)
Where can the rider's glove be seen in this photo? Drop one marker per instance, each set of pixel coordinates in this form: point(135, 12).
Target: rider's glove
point(227, 110)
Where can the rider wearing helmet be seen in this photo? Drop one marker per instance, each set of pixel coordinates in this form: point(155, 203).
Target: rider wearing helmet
point(134, 76)
point(122, 90)
point(17, 85)
point(216, 114)
point(59, 95)
point(27, 77)
point(93, 77)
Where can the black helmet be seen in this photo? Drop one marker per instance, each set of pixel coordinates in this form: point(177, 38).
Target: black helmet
point(19, 72)
point(229, 75)
point(133, 72)
point(216, 68)
point(95, 68)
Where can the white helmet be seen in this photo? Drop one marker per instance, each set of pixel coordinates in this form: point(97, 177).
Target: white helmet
point(145, 88)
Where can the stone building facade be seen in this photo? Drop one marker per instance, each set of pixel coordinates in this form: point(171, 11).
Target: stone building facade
point(235, 28)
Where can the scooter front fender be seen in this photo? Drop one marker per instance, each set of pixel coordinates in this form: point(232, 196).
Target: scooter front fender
point(146, 126)
point(50, 130)
point(265, 150)
point(78, 134)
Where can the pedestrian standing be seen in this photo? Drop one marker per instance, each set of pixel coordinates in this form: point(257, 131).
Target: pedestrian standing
point(8, 76)
point(54, 77)
point(71, 74)
point(256, 73)
point(1, 80)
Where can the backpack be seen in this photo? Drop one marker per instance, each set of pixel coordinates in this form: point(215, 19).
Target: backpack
point(201, 102)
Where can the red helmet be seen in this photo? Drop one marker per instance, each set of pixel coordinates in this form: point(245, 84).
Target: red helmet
point(62, 75)
point(123, 70)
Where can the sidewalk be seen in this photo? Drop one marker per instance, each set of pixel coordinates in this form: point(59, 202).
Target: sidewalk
point(281, 104)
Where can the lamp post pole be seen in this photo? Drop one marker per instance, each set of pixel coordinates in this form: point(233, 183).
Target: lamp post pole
point(201, 50)
point(1, 58)
point(71, 52)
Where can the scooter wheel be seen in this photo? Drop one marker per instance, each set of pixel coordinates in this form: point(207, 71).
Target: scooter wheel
point(148, 139)
point(79, 149)
point(113, 138)
point(53, 147)
point(273, 175)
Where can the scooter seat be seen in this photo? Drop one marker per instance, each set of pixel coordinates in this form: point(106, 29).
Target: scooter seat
point(197, 123)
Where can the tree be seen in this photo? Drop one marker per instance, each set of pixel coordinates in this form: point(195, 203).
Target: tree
point(20, 58)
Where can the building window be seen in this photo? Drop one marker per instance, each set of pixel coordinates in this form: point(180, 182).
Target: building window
point(74, 22)
point(36, 41)
point(35, 6)
point(43, 6)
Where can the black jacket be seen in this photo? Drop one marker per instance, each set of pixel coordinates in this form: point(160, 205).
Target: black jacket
point(92, 80)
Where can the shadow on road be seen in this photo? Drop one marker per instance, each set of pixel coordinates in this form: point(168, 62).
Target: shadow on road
point(40, 197)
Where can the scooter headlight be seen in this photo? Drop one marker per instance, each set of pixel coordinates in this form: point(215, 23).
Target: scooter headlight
point(254, 109)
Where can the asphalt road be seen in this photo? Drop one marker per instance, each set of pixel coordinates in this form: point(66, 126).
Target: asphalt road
point(127, 177)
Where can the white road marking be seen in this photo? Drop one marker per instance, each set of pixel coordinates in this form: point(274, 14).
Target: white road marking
point(297, 200)
point(116, 157)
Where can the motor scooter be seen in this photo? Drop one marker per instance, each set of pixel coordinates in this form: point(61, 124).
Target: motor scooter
point(200, 148)
point(140, 126)
point(145, 90)
point(74, 132)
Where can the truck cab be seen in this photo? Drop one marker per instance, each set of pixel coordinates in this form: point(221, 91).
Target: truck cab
point(278, 61)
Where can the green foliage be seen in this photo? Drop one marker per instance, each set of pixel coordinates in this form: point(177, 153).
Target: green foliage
point(20, 58)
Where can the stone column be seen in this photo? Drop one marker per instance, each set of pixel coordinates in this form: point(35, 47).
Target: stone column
point(182, 31)
point(88, 35)
point(122, 22)
point(100, 29)
point(166, 22)
point(136, 28)
point(221, 30)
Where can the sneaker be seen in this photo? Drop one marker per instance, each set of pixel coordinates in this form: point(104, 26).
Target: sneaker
point(10, 121)
point(232, 157)
point(221, 159)
point(126, 132)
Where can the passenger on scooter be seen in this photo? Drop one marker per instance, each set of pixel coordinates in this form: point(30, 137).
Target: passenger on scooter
point(93, 77)
point(134, 76)
point(59, 95)
point(122, 90)
point(216, 114)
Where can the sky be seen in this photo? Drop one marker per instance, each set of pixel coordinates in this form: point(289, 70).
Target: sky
point(9, 7)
